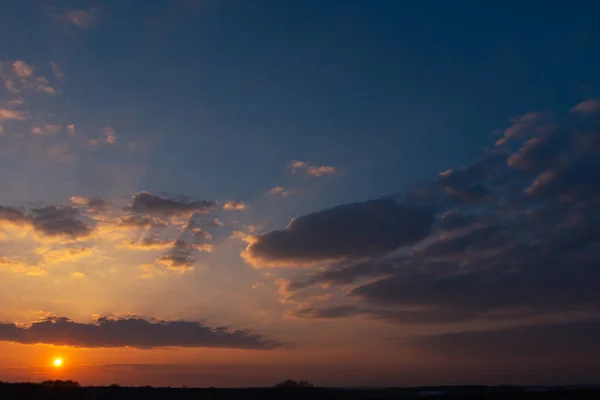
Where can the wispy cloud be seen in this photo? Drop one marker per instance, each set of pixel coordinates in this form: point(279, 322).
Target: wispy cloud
point(78, 18)
point(47, 130)
point(322, 170)
point(589, 106)
point(110, 138)
point(57, 71)
point(279, 191)
point(8, 114)
point(314, 170)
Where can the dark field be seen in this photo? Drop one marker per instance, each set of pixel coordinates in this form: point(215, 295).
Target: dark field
point(41, 392)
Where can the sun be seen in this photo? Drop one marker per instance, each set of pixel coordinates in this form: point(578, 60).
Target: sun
point(57, 362)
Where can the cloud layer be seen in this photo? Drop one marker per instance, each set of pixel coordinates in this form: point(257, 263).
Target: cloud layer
point(346, 231)
point(132, 332)
point(511, 236)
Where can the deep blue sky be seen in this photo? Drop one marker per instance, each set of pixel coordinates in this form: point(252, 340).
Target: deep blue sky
point(391, 92)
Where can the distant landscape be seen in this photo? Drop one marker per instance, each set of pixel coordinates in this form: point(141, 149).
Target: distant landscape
point(72, 390)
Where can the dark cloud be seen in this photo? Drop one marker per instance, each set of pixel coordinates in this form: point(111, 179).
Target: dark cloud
point(91, 204)
point(140, 221)
point(349, 273)
point(178, 260)
point(60, 221)
point(575, 182)
point(559, 343)
point(470, 193)
point(13, 216)
point(181, 256)
point(529, 245)
point(327, 313)
point(538, 154)
point(346, 231)
point(147, 203)
point(454, 220)
point(471, 239)
point(132, 332)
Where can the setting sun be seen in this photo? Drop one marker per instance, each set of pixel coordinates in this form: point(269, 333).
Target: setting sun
point(58, 362)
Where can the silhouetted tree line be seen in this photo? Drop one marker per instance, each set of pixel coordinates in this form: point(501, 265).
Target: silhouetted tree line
point(289, 383)
point(289, 389)
point(59, 383)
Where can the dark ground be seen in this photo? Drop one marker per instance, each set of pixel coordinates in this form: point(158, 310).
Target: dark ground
point(14, 391)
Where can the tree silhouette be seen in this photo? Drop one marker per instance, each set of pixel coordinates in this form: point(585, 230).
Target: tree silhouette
point(290, 383)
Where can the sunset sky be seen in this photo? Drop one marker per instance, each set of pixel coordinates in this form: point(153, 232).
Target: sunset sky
point(355, 193)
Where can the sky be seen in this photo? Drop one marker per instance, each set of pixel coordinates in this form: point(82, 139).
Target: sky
point(355, 193)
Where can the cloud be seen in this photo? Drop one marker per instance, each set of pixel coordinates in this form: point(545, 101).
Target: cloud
point(311, 169)
point(326, 313)
point(346, 231)
point(152, 243)
point(453, 220)
point(60, 152)
point(8, 114)
point(279, 191)
point(22, 70)
point(526, 245)
point(47, 130)
point(66, 254)
point(294, 165)
point(147, 203)
point(57, 71)
point(180, 257)
point(558, 343)
point(322, 170)
point(17, 266)
point(471, 184)
point(92, 204)
point(21, 76)
point(232, 205)
point(132, 332)
point(71, 130)
point(528, 125)
point(79, 18)
point(13, 217)
point(589, 106)
point(60, 221)
point(138, 222)
point(110, 138)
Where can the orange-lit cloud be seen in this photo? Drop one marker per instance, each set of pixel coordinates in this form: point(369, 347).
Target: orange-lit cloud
point(22, 69)
point(17, 266)
point(21, 76)
point(63, 255)
point(314, 170)
point(232, 205)
point(92, 204)
point(147, 244)
point(279, 191)
point(322, 170)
